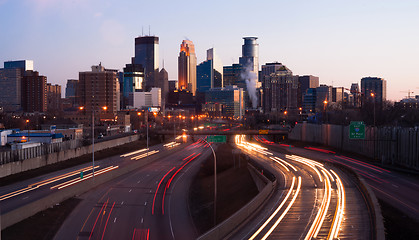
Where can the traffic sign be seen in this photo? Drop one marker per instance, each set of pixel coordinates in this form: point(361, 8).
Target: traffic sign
point(357, 130)
point(263, 132)
point(153, 109)
point(217, 138)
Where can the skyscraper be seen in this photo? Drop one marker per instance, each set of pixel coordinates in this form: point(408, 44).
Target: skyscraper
point(204, 76)
point(209, 74)
point(250, 55)
point(98, 90)
point(34, 92)
point(163, 84)
point(53, 97)
point(306, 82)
point(323, 93)
point(187, 67)
point(217, 68)
point(356, 95)
point(11, 84)
point(280, 91)
point(10, 89)
point(232, 76)
point(147, 54)
point(338, 94)
point(71, 91)
point(375, 85)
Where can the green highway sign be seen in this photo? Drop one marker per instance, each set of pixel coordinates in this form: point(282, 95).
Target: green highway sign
point(357, 130)
point(217, 139)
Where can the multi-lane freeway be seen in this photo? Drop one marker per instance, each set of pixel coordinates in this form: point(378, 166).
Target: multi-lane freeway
point(310, 199)
point(150, 203)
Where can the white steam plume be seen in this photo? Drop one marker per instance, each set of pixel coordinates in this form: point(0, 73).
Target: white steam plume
point(250, 78)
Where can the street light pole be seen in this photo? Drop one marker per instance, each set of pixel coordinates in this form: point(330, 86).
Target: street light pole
point(325, 110)
point(27, 124)
point(215, 182)
point(93, 142)
point(375, 131)
point(146, 116)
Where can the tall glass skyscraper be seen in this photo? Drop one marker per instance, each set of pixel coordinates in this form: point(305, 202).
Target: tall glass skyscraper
point(209, 74)
point(147, 54)
point(187, 67)
point(250, 55)
point(204, 76)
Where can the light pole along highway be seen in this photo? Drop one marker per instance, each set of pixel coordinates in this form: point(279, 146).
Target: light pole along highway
point(93, 136)
point(215, 181)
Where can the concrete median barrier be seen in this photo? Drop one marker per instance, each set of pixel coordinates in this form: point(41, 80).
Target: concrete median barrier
point(230, 224)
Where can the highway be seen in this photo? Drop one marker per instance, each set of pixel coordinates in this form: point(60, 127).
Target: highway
point(311, 200)
point(396, 188)
point(19, 194)
point(149, 203)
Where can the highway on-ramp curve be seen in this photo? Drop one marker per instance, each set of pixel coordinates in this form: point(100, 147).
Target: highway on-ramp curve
point(149, 203)
point(310, 201)
point(397, 188)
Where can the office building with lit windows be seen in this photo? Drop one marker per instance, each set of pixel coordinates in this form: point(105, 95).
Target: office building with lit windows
point(99, 92)
point(187, 67)
point(147, 54)
point(376, 86)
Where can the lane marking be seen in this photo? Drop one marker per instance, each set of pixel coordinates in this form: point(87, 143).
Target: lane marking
point(106, 224)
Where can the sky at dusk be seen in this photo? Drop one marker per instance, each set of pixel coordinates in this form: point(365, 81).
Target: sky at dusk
point(338, 41)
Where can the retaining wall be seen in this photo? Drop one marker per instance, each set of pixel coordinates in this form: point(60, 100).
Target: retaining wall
point(397, 146)
point(231, 223)
point(58, 156)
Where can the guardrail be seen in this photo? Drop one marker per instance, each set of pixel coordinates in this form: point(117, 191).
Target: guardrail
point(19, 214)
point(230, 224)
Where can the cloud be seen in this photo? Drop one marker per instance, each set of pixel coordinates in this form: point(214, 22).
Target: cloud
point(113, 32)
point(98, 14)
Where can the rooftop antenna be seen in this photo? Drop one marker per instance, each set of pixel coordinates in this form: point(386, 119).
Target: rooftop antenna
point(149, 31)
point(142, 31)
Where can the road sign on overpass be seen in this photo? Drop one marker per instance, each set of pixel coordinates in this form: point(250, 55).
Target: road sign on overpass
point(357, 130)
point(217, 138)
point(261, 132)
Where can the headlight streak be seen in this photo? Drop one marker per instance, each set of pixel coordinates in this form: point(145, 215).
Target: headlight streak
point(329, 176)
point(309, 163)
point(74, 181)
point(328, 190)
point(276, 211)
point(144, 155)
point(340, 209)
point(287, 163)
point(34, 186)
point(285, 211)
point(280, 163)
point(171, 144)
point(135, 152)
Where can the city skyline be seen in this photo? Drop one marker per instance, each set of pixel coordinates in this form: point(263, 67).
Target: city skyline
point(339, 43)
